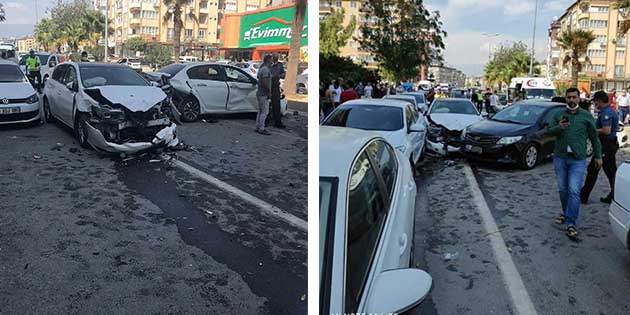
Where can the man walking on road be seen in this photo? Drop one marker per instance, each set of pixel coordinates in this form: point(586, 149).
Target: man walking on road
point(623, 103)
point(572, 128)
point(33, 69)
point(277, 73)
point(263, 94)
point(607, 125)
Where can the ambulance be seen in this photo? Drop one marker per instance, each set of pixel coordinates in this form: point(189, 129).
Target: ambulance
point(535, 88)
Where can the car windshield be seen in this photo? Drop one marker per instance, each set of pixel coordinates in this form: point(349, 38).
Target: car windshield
point(458, 106)
point(100, 75)
point(525, 114)
point(11, 73)
point(367, 117)
point(172, 69)
point(540, 93)
point(43, 59)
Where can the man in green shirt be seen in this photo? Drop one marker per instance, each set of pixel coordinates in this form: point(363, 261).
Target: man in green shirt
point(572, 128)
point(32, 68)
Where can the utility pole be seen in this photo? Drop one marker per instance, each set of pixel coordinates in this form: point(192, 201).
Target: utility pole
point(490, 35)
point(531, 61)
point(106, 30)
point(36, 13)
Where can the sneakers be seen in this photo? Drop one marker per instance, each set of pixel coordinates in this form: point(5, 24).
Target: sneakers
point(263, 132)
point(607, 199)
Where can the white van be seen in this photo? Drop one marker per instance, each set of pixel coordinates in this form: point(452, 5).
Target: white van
point(535, 88)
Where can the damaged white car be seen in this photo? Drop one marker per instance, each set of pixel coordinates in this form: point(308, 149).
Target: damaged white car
point(447, 118)
point(110, 107)
point(211, 88)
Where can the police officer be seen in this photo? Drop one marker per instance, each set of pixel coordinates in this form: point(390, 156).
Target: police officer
point(33, 66)
point(607, 125)
point(277, 73)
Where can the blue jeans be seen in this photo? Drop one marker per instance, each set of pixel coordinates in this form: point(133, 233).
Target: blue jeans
point(623, 111)
point(570, 176)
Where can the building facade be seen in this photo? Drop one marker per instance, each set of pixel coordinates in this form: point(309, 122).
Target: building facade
point(26, 44)
point(609, 65)
point(352, 9)
point(553, 50)
point(443, 74)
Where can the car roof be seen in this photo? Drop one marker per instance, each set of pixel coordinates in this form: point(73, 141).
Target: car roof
point(378, 102)
point(8, 62)
point(100, 64)
point(338, 146)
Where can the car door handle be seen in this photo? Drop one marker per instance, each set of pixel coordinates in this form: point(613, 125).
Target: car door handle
point(201, 84)
point(402, 242)
point(233, 86)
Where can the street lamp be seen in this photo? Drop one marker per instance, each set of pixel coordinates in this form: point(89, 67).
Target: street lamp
point(531, 60)
point(490, 35)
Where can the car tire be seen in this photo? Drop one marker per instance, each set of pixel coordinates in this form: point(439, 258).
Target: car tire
point(530, 156)
point(48, 117)
point(190, 109)
point(80, 130)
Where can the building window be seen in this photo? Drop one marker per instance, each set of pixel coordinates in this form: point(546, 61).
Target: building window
point(189, 33)
point(619, 71)
point(583, 23)
point(230, 6)
point(596, 53)
point(601, 39)
point(151, 15)
point(202, 34)
point(598, 9)
point(339, 3)
point(203, 19)
point(203, 5)
point(149, 30)
point(620, 54)
point(621, 42)
point(353, 4)
point(190, 3)
point(598, 24)
point(170, 34)
point(595, 68)
point(251, 7)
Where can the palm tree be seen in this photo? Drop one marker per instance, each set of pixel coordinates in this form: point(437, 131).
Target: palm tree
point(294, 48)
point(45, 33)
point(624, 8)
point(575, 43)
point(2, 17)
point(174, 13)
point(94, 23)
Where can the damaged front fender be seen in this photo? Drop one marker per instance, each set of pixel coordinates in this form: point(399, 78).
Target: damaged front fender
point(166, 137)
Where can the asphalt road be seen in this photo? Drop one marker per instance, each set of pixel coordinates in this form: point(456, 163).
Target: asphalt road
point(559, 276)
point(90, 234)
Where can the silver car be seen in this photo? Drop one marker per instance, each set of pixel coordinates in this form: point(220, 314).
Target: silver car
point(19, 103)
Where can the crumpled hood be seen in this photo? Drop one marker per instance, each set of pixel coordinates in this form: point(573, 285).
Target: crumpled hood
point(15, 90)
point(455, 122)
point(134, 98)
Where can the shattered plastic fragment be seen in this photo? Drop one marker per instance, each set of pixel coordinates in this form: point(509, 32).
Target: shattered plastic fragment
point(450, 256)
point(36, 157)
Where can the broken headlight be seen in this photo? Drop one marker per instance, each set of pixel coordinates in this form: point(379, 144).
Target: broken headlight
point(106, 112)
point(434, 129)
point(32, 99)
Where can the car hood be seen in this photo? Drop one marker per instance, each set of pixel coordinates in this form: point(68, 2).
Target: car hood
point(15, 90)
point(455, 122)
point(134, 98)
point(497, 128)
point(393, 137)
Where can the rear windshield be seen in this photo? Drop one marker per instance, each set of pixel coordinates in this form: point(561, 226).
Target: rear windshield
point(172, 69)
point(11, 73)
point(92, 76)
point(367, 117)
point(457, 106)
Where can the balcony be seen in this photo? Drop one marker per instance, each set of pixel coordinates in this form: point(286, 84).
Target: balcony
point(135, 6)
point(134, 22)
point(325, 9)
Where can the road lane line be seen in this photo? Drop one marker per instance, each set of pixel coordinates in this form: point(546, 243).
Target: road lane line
point(520, 298)
point(273, 132)
point(265, 206)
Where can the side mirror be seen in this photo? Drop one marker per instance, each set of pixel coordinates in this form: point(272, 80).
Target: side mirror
point(417, 128)
point(395, 291)
point(52, 64)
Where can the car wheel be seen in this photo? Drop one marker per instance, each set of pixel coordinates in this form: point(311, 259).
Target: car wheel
point(48, 117)
point(530, 156)
point(80, 129)
point(190, 109)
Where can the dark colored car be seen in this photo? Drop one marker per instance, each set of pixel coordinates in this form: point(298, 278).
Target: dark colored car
point(513, 135)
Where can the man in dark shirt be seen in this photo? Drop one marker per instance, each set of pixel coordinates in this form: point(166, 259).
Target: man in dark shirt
point(277, 73)
point(607, 126)
point(572, 128)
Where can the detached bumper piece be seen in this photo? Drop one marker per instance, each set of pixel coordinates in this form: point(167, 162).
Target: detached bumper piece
point(444, 142)
point(164, 138)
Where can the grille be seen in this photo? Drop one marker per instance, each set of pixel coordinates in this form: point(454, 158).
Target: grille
point(18, 116)
point(481, 140)
point(14, 100)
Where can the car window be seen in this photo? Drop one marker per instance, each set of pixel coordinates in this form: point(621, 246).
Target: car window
point(366, 217)
point(59, 73)
point(11, 73)
point(453, 106)
point(385, 158)
point(367, 117)
point(237, 75)
point(552, 114)
point(327, 214)
point(526, 114)
point(99, 75)
point(172, 69)
point(207, 72)
point(70, 75)
point(408, 116)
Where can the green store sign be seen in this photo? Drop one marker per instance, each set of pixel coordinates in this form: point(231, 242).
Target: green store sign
point(269, 28)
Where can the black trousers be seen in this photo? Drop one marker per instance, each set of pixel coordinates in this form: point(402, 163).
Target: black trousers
point(275, 104)
point(36, 75)
point(609, 164)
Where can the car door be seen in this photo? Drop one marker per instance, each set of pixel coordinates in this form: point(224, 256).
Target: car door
point(209, 86)
point(242, 90)
point(66, 97)
point(547, 141)
point(417, 137)
point(54, 88)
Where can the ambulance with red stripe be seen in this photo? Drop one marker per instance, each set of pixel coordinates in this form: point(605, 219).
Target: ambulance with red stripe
point(534, 88)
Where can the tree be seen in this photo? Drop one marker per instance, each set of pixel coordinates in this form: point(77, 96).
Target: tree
point(159, 55)
point(624, 8)
point(136, 44)
point(402, 35)
point(45, 33)
point(174, 13)
point(333, 67)
point(2, 14)
point(508, 62)
point(332, 35)
point(575, 43)
point(294, 49)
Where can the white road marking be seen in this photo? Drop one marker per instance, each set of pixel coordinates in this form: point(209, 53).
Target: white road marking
point(264, 206)
point(273, 131)
point(520, 298)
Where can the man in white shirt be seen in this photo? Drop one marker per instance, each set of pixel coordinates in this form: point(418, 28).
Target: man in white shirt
point(494, 99)
point(368, 90)
point(336, 90)
point(623, 103)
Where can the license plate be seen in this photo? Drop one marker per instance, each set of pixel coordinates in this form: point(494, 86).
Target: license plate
point(9, 110)
point(473, 149)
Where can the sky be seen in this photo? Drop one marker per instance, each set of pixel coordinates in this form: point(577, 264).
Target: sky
point(466, 21)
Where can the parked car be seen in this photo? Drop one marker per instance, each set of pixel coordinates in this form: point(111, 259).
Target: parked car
point(397, 121)
point(407, 98)
point(19, 102)
point(48, 61)
point(367, 210)
point(134, 63)
point(421, 100)
point(447, 118)
point(207, 88)
point(250, 67)
point(302, 82)
point(619, 213)
point(514, 135)
point(110, 107)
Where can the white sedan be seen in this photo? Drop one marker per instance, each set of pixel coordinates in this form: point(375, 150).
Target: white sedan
point(447, 118)
point(367, 208)
point(397, 121)
point(19, 102)
point(212, 88)
point(619, 213)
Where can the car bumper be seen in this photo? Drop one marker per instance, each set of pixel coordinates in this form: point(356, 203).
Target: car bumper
point(507, 154)
point(28, 113)
point(619, 222)
point(441, 147)
point(164, 138)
